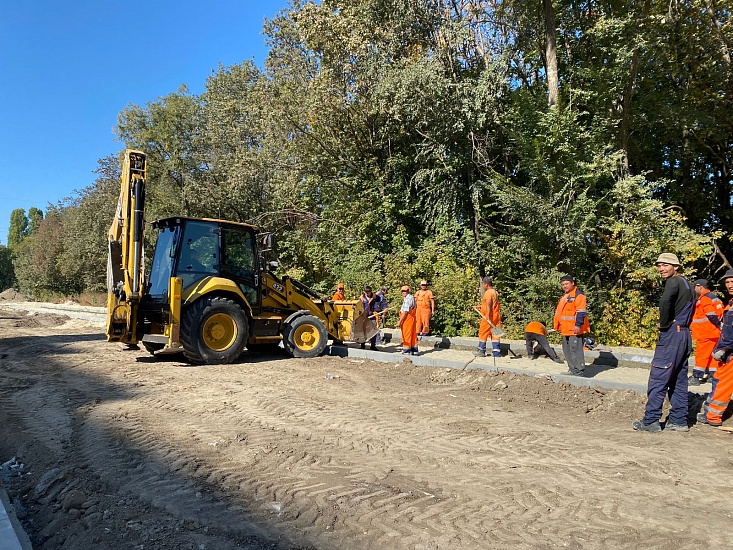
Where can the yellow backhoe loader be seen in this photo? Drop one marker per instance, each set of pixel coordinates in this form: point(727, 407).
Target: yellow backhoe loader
point(211, 292)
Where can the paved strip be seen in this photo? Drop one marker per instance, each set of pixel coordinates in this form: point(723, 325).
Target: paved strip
point(596, 375)
point(11, 533)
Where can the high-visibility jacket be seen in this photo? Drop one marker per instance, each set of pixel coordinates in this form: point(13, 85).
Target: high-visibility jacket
point(423, 299)
point(720, 398)
point(571, 312)
point(707, 317)
point(535, 327)
point(339, 295)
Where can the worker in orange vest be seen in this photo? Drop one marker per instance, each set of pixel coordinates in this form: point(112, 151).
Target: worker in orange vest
point(705, 328)
point(408, 322)
point(722, 389)
point(339, 294)
point(425, 308)
point(571, 321)
point(536, 331)
point(491, 318)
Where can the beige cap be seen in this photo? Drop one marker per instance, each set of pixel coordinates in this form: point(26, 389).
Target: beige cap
point(423, 282)
point(405, 288)
point(667, 258)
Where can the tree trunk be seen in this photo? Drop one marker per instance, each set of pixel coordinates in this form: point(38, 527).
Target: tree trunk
point(626, 102)
point(551, 52)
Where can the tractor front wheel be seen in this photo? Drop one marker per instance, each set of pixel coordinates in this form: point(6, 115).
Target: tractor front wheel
point(214, 330)
point(305, 337)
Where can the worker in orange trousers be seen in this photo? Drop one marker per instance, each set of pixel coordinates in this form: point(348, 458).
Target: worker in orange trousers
point(425, 308)
point(720, 395)
point(339, 295)
point(408, 322)
point(705, 329)
point(490, 311)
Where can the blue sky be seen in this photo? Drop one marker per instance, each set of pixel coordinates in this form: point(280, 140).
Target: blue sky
point(68, 69)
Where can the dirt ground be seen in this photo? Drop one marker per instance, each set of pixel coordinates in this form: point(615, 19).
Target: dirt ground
point(103, 448)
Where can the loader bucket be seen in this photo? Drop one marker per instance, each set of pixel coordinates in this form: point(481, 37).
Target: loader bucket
point(353, 324)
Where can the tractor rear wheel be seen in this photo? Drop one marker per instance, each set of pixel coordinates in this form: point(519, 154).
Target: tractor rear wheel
point(214, 330)
point(305, 337)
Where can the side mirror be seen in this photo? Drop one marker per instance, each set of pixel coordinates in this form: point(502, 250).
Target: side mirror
point(267, 242)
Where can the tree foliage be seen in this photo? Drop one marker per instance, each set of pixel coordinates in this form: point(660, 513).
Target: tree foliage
point(7, 274)
point(18, 228)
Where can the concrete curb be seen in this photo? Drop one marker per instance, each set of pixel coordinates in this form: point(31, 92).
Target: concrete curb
point(12, 535)
point(607, 358)
point(427, 361)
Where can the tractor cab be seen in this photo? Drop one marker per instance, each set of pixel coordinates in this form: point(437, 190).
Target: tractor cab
point(196, 249)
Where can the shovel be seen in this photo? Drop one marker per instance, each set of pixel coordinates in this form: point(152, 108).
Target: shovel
point(495, 331)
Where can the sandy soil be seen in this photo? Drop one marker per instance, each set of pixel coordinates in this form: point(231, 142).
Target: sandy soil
point(103, 448)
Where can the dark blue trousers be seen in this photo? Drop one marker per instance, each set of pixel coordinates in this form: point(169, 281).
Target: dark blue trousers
point(668, 376)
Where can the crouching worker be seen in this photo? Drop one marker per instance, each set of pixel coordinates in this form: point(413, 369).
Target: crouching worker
point(536, 332)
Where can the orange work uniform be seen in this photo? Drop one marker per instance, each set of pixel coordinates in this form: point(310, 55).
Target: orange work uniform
point(705, 328)
point(339, 295)
point(490, 310)
point(722, 390)
point(424, 299)
point(408, 324)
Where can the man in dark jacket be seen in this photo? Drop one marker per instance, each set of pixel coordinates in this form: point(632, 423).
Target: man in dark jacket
point(668, 373)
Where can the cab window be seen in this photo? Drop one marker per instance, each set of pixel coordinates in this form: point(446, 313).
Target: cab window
point(239, 261)
point(199, 250)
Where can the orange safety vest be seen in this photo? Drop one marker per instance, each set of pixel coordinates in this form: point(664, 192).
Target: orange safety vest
point(701, 327)
point(569, 306)
point(535, 327)
point(490, 306)
point(339, 295)
point(422, 298)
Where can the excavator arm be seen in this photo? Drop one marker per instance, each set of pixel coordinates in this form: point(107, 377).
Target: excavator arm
point(125, 265)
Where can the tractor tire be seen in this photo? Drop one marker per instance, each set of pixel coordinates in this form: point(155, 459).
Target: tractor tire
point(152, 347)
point(214, 330)
point(305, 337)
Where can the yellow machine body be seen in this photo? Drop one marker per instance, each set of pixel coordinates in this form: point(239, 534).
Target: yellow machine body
point(211, 292)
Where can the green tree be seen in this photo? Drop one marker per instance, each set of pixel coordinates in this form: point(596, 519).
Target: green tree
point(18, 227)
point(7, 274)
point(85, 221)
point(35, 217)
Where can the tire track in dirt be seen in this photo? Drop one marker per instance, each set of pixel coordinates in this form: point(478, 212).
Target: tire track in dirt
point(364, 466)
point(136, 460)
point(268, 426)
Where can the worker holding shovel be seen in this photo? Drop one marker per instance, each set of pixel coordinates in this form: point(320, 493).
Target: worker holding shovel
point(491, 320)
